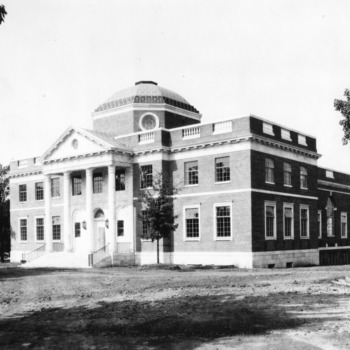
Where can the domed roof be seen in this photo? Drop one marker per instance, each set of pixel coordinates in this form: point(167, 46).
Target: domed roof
point(145, 92)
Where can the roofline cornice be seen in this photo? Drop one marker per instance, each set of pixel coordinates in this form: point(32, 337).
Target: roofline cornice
point(29, 173)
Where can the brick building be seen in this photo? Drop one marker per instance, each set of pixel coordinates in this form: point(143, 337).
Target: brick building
point(251, 194)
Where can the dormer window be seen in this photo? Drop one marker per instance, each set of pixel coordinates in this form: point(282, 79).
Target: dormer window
point(285, 134)
point(330, 174)
point(302, 140)
point(268, 129)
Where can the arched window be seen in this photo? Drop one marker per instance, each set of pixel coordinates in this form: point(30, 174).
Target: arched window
point(99, 214)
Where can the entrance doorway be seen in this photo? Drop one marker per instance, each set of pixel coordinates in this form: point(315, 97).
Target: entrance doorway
point(100, 229)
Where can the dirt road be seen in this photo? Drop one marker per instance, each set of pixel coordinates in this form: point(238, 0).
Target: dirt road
point(131, 308)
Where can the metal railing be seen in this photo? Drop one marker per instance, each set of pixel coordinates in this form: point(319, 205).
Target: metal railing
point(57, 247)
point(190, 133)
point(98, 255)
point(222, 127)
point(34, 254)
point(146, 138)
point(123, 248)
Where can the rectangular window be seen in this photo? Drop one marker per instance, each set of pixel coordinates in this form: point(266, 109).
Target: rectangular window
point(330, 174)
point(120, 228)
point(302, 140)
point(304, 222)
point(330, 226)
point(23, 229)
point(192, 222)
point(191, 173)
point(288, 221)
point(55, 187)
point(56, 228)
point(223, 221)
point(268, 129)
point(269, 171)
point(319, 221)
point(22, 193)
point(145, 224)
point(77, 229)
point(287, 174)
point(146, 176)
point(285, 134)
point(270, 220)
point(39, 228)
point(76, 185)
point(303, 177)
point(120, 180)
point(97, 183)
point(222, 169)
point(344, 225)
point(39, 191)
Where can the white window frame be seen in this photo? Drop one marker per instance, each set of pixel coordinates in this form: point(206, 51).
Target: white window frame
point(302, 140)
point(306, 177)
point(19, 229)
point(270, 204)
point(268, 129)
point(319, 222)
point(289, 172)
point(193, 206)
point(224, 204)
point(288, 206)
point(229, 167)
point(35, 227)
point(304, 206)
point(344, 215)
point(35, 190)
point(285, 135)
point(61, 235)
point(51, 188)
point(186, 180)
point(273, 170)
point(330, 174)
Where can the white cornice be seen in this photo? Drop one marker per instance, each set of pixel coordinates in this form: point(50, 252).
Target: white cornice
point(333, 184)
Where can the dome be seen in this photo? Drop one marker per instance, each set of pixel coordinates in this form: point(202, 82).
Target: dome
point(145, 92)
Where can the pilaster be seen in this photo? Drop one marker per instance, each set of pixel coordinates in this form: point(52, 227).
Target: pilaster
point(111, 207)
point(66, 212)
point(48, 220)
point(89, 209)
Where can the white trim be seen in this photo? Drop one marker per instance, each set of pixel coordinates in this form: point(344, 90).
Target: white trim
point(334, 248)
point(330, 190)
point(35, 228)
point(223, 204)
point(285, 134)
point(29, 178)
point(304, 206)
point(153, 115)
point(35, 208)
point(302, 140)
point(270, 204)
point(19, 229)
point(319, 226)
point(345, 214)
point(289, 206)
point(191, 239)
point(334, 184)
point(268, 128)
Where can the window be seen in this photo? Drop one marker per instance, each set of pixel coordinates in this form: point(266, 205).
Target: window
point(287, 174)
point(285, 134)
point(344, 225)
point(97, 183)
point(269, 171)
point(304, 222)
point(77, 229)
point(288, 221)
point(330, 174)
point(76, 183)
point(303, 177)
point(191, 173)
point(270, 220)
point(191, 215)
point(145, 224)
point(120, 228)
point(56, 228)
point(120, 180)
point(223, 221)
point(319, 220)
point(55, 187)
point(39, 191)
point(222, 169)
point(22, 193)
point(302, 140)
point(330, 217)
point(39, 228)
point(146, 176)
point(23, 229)
point(268, 129)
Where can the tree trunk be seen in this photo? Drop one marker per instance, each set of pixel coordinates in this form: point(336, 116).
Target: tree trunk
point(157, 250)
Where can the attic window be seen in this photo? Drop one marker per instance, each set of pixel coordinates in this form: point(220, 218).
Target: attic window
point(267, 129)
point(330, 174)
point(302, 140)
point(23, 163)
point(285, 134)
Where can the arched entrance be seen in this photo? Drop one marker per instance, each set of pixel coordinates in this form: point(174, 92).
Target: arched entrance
point(100, 228)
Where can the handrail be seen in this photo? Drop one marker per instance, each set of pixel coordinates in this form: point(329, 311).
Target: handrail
point(98, 255)
point(34, 254)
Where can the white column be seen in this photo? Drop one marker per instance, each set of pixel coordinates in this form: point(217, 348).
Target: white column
point(111, 207)
point(89, 218)
point(48, 219)
point(66, 212)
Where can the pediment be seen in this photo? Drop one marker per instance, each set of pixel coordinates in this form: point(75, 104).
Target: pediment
point(74, 143)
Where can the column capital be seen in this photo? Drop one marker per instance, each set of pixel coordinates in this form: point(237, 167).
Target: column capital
point(66, 174)
point(89, 171)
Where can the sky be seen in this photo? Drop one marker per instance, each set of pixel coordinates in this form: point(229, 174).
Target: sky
point(285, 61)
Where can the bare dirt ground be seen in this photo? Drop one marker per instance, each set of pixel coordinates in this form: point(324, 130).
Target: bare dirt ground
point(133, 308)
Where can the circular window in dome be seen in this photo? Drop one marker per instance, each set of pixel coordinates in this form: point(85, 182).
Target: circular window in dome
point(149, 121)
point(75, 143)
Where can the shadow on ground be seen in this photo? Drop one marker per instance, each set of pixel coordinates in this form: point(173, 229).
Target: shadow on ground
point(163, 323)
point(7, 272)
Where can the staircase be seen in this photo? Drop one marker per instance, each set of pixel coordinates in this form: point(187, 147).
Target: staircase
point(59, 259)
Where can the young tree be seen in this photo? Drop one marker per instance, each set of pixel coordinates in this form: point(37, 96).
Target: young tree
point(343, 106)
point(158, 210)
point(3, 13)
point(5, 228)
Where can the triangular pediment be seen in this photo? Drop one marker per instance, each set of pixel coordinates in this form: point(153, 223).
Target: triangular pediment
point(75, 142)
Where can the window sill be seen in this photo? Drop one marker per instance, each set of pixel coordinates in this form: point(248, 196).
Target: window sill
point(222, 182)
point(270, 238)
point(333, 236)
point(58, 197)
point(23, 242)
point(304, 237)
point(192, 239)
point(223, 238)
point(270, 183)
point(290, 186)
point(288, 238)
point(194, 185)
point(303, 188)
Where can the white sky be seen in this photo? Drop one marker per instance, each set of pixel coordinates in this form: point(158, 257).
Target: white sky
point(285, 61)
